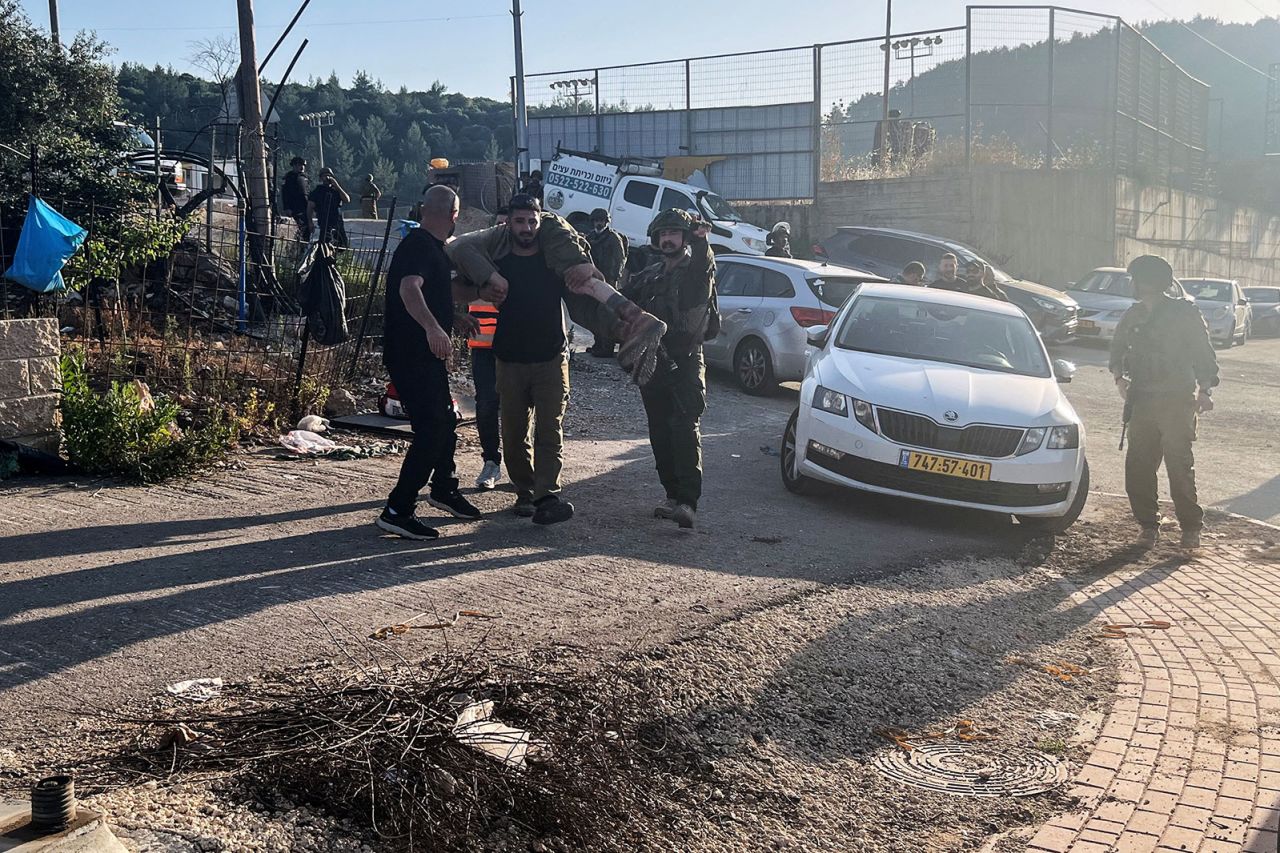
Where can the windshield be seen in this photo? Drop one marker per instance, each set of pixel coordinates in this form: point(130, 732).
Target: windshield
point(1262, 294)
point(971, 337)
point(1110, 283)
point(717, 208)
point(141, 138)
point(1208, 291)
point(834, 291)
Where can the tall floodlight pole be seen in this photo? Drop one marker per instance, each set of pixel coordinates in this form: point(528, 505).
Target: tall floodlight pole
point(53, 21)
point(252, 141)
point(522, 116)
point(319, 121)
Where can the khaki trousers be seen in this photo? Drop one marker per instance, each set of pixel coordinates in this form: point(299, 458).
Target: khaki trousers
point(540, 390)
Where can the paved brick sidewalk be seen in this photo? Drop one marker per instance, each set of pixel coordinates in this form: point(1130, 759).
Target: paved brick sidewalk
point(1189, 758)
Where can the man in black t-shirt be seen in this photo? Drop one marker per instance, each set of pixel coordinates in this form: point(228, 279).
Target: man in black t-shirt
point(293, 196)
point(417, 350)
point(531, 350)
point(325, 203)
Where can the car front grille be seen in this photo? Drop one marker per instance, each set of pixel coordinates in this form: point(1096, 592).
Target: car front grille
point(922, 483)
point(919, 431)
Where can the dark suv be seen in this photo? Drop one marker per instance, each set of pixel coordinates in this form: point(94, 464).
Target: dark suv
point(885, 251)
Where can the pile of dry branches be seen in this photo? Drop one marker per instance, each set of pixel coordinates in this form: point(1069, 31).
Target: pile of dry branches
point(382, 745)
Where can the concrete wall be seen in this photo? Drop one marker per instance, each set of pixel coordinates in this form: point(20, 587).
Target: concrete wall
point(1054, 226)
point(29, 352)
point(1200, 235)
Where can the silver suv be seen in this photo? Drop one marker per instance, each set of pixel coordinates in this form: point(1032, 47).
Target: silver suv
point(765, 306)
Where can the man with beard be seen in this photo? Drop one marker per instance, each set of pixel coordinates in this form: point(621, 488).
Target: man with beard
point(609, 252)
point(679, 289)
point(532, 263)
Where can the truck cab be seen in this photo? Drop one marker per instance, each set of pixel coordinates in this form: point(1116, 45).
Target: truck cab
point(633, 191)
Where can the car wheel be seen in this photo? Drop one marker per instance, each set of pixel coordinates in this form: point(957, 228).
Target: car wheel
point(752, 367)
point(1053, 526)
point(795, 482)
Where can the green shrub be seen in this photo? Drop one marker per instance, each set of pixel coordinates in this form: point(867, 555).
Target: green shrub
point(127, 433)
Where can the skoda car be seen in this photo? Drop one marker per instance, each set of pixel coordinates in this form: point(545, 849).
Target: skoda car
point(944, 397)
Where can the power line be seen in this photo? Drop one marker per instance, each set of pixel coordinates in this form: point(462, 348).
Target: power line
point(1211, 44)
point(313, 24)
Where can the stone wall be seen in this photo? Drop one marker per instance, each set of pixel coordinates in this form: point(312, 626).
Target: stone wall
point(29, 351)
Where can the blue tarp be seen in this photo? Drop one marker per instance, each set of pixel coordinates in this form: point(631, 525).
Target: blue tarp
point(47, 242)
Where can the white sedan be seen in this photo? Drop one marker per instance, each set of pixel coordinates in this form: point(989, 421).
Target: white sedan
point(942, 397)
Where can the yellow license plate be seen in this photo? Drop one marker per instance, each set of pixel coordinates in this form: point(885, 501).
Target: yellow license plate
point(945, 465)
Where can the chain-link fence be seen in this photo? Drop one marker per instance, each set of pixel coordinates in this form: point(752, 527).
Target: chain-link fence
point(1016, 86)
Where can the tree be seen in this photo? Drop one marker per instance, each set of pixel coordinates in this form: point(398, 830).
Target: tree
point(219, 57)
point(63, 103)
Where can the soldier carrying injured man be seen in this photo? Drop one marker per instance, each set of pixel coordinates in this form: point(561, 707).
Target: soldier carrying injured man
point(528, 265)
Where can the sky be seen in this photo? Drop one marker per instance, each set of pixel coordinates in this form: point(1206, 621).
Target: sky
point(468, 46)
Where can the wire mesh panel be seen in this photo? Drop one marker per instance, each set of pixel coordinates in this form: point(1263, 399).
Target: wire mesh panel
point(926, 92)
point(1084, 89)
point(641, 88)
point(1009, 72)
point(752, 79)
point(1272, 141)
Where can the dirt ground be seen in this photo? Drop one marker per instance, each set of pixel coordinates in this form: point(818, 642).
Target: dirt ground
point(782, 637)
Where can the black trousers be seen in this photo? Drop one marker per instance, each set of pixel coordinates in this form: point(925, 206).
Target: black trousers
point(674, 401)
point(423, 385)
point(484, 373)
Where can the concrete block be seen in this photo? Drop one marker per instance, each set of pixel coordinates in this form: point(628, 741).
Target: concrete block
point(28, 415)
point(29, 338)
point(42, 374)
point(14, 380)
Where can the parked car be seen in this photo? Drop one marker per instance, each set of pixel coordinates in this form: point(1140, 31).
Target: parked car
point(765, 306)
point(885, 251)
point(944, 397)
point(1225, 310)
point(1104, 295)
point(1265, 304)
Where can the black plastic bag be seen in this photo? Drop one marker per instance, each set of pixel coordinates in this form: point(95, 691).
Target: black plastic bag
point(324, 297)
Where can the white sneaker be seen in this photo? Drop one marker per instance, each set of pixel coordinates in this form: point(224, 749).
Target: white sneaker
point(490, 474)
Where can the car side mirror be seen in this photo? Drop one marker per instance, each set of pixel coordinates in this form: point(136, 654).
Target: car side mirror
point(1243, 302)
point(1063, 370)
point(817, 336)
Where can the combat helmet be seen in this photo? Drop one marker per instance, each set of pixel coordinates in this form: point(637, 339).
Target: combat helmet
point(671, 218)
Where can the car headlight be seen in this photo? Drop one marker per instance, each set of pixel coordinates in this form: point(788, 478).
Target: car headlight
point(865, 414)
point(826, 400)
point(1116, 314)
point(1048, 305)
point(1064, 437)
point(753, 243)
point(1032, 440)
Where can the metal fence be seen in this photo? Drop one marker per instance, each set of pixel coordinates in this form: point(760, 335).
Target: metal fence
point(207, 324)
point(1020, 86)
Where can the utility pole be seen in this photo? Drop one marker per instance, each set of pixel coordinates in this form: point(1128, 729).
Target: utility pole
point(888, 35)
point(53, 22)
point(253, 145)
point(522, 116)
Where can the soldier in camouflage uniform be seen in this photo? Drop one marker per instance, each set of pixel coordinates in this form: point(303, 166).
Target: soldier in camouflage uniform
point(1160, 355)
point(609, 252)
point(679, 289)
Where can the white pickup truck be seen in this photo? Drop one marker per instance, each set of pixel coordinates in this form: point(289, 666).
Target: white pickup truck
point(633, 192)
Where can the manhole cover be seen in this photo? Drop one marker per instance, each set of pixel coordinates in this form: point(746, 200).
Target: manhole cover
point(972, 771)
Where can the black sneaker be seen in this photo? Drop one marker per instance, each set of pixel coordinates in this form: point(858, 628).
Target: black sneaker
point(456, 505)
point(552, 510)
point(405, 526)
point(524, 505)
